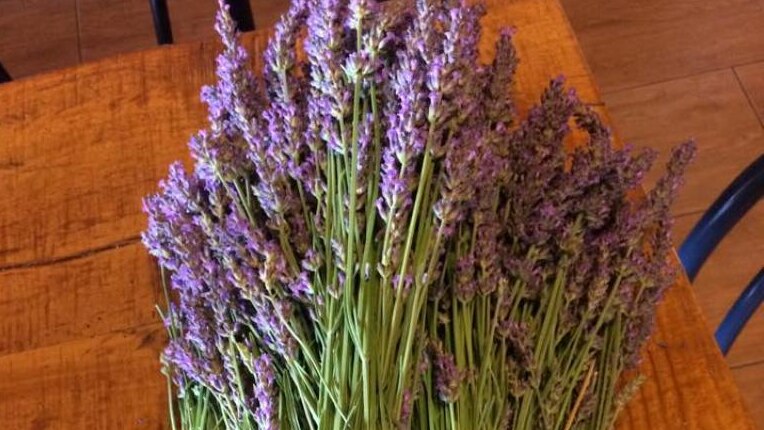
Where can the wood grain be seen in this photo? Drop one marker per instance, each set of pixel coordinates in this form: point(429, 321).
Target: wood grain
point(101, 382)
point(733, 264)
point(714, 109)
point(90, 295)
point(85, 144)
point(631, 43)
point(685, 374)
point(37, 35)
point(710, 107)
point(752, 79)
point(546, 47)
point(128, 128)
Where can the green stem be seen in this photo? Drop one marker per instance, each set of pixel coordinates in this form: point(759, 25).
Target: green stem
point(397, 307)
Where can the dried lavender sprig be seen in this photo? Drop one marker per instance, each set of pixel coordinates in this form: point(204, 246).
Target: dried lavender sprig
point(528, 206)
point(266, 393)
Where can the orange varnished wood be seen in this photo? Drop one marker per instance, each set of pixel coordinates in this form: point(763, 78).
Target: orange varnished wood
point(81, 147)
point(111, 381)
point(91, 295)
point(78, 150)
point(688, 385)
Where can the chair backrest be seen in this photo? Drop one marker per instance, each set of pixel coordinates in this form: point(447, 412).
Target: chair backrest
point(737, 199)
point(739, 314)
point(732, 204)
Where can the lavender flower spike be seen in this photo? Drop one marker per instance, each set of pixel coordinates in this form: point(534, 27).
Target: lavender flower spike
point(266, 393)
point(448, 377)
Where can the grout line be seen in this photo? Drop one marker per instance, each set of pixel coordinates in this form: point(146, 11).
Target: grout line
point(748, 364)
point(689, 213)
point(747, 97)
point(677, 78)
point(70, 257)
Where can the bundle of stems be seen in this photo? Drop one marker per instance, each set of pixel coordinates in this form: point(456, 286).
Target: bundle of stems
point(372, 238)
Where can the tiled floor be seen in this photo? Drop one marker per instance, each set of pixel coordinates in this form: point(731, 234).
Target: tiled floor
point(41, 35)
point(667, 70)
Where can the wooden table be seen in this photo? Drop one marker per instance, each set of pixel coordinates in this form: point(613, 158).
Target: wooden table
point(79, 148)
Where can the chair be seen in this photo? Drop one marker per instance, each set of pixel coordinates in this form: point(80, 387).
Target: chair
point(4, 75)
point(740, 196)
point(240, 11)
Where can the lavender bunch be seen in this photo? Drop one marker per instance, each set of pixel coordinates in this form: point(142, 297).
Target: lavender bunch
point(372, 238)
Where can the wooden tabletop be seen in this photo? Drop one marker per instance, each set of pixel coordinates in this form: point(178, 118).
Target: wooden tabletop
point(79, 148)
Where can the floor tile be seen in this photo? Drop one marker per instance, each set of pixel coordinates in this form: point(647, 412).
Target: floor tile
point(193, 19)
point(267, 12)
point(751, 382)
point(736, 260)
point(115, 26)
point(110, 27)
point(710, 107)
point(752, 79)
point(636, 42)
point(37, 36)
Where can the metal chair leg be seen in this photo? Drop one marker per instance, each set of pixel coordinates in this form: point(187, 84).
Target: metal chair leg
point(4, 75)
point(241, 12)
point(162, 27)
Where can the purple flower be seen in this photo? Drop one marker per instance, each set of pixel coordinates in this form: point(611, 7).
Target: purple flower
point(271, 319)
point(518, 338)
point(266, 393)
point(301, 288)
point(448, 378)
point(190, 366)
point(499, 105)
point(461, 169)
point(280, 54)
point(465, 284)
point(406, 407)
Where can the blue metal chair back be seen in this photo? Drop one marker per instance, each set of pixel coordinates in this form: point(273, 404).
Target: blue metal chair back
point(740, 196)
